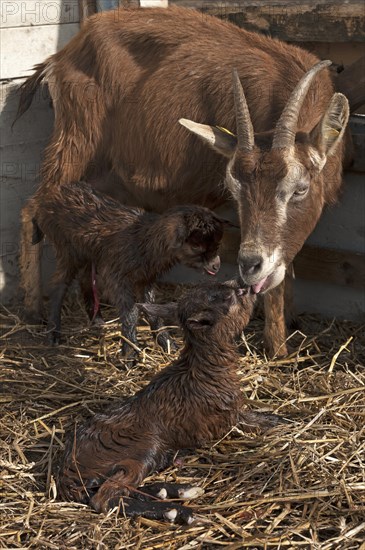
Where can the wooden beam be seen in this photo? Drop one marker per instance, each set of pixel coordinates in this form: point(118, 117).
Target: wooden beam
point(291, 20)
point(338, 267)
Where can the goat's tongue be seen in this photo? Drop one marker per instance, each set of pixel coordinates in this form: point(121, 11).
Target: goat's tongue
point(258, 286)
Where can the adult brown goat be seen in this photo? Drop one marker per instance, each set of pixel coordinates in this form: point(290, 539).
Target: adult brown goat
point(127, 246)
point(192, 401)
point(121, 85)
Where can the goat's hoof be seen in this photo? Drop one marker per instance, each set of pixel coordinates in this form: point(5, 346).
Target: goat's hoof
point(141, 505)
point(276, 352)
point(152, 509)
point(165, 491)
point(128, 359)
point(98, 321)
point(33, 317)
point(100, 505)
point(190, 492)
point(180, 515)
point(53, 339)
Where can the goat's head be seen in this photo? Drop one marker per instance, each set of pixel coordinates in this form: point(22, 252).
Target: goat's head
point(276, 178)
point(197, 236)
point(219, 310)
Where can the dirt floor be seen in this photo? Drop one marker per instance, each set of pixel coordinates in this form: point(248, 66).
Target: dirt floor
point(301, 485)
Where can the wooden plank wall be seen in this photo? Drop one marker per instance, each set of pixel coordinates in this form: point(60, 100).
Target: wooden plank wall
point(293, 20)
point(31, 30)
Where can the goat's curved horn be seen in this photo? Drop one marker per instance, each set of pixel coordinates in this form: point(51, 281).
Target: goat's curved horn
point(245, 133)
point(286, 127)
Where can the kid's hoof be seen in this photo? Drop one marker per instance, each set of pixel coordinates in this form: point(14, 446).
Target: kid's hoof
point(141, 507)
point(164, 491)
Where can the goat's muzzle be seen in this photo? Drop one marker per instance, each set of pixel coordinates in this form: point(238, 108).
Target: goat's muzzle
point(212, 267)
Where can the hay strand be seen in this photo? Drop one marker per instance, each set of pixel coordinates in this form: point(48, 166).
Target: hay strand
point(301, 485)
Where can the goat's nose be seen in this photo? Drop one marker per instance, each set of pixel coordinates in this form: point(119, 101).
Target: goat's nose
point(214, 265)
point(250, 263)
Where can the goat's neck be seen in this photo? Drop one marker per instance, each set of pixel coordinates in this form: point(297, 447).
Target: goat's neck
point(210, 354)
point(200, 370)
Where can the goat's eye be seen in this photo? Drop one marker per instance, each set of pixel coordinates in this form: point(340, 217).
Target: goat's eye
point(300, 192)
point(196, 247)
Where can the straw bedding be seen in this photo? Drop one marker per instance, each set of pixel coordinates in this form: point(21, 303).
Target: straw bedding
point(301, 485)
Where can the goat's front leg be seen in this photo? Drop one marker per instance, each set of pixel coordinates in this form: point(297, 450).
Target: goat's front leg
point(62, 279)
point(275, 329)
point(57, 295)
point(30, 266)
point(128, 316)
point(128, 478)
point(162, 337)
point(89, 290)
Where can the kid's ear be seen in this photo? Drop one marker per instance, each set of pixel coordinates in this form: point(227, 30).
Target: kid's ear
point(201, 321)
point(168, 312)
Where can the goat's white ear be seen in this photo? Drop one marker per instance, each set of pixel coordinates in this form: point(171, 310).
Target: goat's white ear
point(329, 132)
point(168, 312)
point(221, 141)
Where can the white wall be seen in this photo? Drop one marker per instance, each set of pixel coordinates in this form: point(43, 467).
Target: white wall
point(30, 31)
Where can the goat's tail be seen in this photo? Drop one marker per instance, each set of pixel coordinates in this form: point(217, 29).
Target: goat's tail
point(29, 88)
